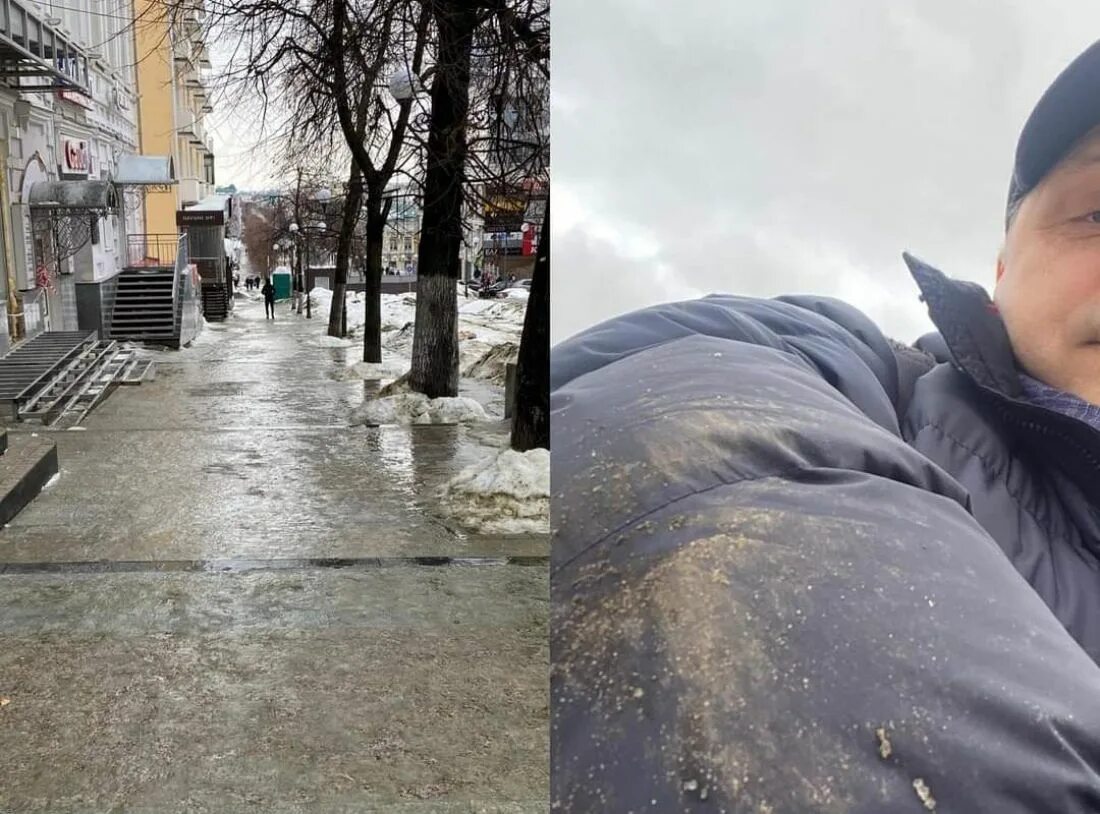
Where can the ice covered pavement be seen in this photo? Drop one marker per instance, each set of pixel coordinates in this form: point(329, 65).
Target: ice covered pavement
point(497, 497)
point(232, 600)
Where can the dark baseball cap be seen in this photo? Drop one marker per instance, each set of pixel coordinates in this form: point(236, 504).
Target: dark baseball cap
point(1067, 111)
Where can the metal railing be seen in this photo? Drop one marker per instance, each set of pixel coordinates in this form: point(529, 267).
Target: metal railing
point(183, 263)
point(152, 250)
point(34, 312)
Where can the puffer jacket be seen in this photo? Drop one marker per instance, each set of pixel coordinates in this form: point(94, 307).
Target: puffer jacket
point(789, 574)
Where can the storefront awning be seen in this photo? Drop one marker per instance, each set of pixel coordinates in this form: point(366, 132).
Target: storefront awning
point(92, 196)
point(145, 171)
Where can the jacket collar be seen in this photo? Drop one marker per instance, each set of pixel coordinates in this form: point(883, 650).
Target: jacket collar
point(971, 327)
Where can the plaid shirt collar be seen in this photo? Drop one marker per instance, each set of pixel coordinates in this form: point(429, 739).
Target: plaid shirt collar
point(1043, 395)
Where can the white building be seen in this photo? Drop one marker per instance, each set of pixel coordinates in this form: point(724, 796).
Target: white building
point(68, 111)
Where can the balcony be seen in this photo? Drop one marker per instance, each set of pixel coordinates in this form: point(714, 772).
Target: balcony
point(200, 51)
point(188, 123)
point(199, 138)
point(151, 251)
point(190, 191)
point(193, 15)
point(197, 97)
point(183, 53)
point(35, 57)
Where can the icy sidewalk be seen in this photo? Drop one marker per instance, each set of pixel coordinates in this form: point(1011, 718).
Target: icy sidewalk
point(505, 492)
point(233, 601)
point(489, 336)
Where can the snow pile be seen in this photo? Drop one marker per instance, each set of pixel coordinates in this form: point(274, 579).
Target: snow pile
point(481, 360)
point(357, 312)
point(399, 340)
point(517, 293)
point(505, 494)
point(502, 310)
point(398, 310)
point(326, 341)
point(369, 371)
point(416, 408)
point(320, 302)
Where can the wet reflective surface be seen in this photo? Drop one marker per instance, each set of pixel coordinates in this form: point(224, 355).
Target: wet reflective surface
point(232, 601)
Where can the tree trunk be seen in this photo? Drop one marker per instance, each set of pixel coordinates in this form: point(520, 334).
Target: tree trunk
point(434, 370)
point(531, 415)
point(353, 202)
point(298, 239)
point(376, 228)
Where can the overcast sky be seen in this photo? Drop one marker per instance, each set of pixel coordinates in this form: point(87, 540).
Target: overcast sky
point(789, 147)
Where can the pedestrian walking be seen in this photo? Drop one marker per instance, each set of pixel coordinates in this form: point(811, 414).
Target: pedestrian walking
point(269, 299)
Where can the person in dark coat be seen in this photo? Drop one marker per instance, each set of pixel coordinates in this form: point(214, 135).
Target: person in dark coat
point(798, 566)
point(269, 298)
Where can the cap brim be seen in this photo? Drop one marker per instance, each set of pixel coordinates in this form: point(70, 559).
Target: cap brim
point(1066, 112)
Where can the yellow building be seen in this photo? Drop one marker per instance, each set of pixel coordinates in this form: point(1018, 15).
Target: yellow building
point(172, 60)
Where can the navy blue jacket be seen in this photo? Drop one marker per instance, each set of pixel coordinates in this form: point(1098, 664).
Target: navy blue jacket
point(790, 575)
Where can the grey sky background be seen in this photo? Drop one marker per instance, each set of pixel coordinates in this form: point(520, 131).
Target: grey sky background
point(789, 147)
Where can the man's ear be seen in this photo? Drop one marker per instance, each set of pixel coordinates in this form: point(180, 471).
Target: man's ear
point(1000, 264)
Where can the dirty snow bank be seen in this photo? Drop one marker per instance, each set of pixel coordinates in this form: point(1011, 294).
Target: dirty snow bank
point(416, 408)
point(508, 493)
point(369, 371)
point(489, 334)
point(482, 360)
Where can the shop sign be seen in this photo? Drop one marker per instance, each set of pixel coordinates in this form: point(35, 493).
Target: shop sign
point(76, 158)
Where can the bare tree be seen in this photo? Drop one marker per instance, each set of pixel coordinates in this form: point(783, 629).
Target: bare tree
point(328, 59)
point(509, 36)
point(370, 55)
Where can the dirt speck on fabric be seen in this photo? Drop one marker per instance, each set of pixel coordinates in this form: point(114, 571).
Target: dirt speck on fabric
point(687, 620)
point(924, 793)
point(885, 748)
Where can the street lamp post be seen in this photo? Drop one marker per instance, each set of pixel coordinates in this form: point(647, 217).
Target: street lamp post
point(297, 265)
point(309, 229)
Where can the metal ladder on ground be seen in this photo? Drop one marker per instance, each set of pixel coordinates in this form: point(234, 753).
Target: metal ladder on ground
point(77, 387)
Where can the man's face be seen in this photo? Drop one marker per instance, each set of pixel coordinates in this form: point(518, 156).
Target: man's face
point(1048, 276)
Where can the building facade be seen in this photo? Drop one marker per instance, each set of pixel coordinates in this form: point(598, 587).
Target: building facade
point(401, 238)
point(172, 79)
point(82, 85)
point(68, 110)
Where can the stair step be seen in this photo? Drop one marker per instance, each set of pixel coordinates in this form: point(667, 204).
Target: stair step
point(28, 463)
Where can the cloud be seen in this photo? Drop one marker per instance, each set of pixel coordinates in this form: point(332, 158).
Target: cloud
point(788, 147)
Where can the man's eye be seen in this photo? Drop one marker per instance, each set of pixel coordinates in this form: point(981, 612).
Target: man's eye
point(1093, 217)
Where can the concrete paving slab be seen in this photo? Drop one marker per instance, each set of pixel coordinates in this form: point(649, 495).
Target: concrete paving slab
point(312, 690)
point(145, 678)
